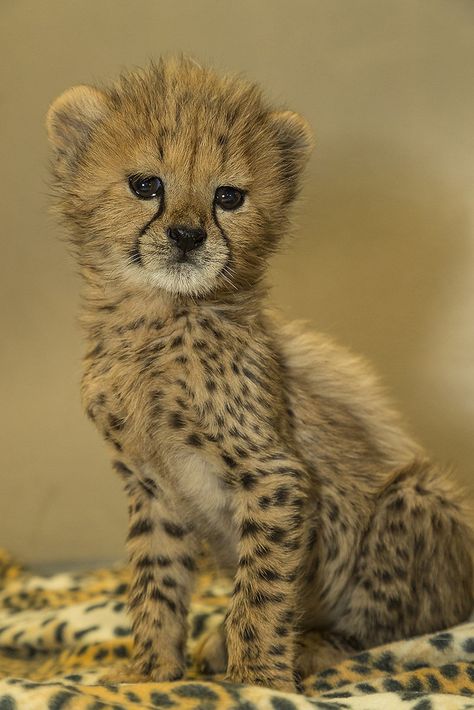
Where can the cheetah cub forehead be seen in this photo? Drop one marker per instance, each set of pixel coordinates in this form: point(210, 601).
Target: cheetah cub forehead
point(175, 178)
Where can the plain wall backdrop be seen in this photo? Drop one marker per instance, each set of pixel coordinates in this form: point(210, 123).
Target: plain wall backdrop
point(383, 252)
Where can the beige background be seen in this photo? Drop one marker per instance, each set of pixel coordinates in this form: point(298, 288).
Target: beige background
point(383, 254)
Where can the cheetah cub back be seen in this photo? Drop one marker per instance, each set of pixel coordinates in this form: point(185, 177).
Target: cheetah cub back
point(275, 447)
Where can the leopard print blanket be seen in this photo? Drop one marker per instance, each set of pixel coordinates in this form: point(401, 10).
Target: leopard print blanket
point(59, 633)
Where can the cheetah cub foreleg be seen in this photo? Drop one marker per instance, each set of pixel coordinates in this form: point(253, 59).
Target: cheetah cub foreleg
point(260, 624)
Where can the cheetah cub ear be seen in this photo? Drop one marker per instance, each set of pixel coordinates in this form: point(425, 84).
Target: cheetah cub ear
point(71, 118)
point(294, 137)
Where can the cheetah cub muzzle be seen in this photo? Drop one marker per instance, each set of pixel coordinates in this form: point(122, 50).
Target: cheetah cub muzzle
point(274, 447)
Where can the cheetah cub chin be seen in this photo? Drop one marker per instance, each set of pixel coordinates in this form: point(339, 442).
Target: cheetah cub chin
point(275, 447)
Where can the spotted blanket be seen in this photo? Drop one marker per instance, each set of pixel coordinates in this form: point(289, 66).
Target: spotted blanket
point(59, 633)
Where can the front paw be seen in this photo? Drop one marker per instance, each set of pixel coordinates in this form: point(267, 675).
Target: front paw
point(284, 683)
point(140, 672)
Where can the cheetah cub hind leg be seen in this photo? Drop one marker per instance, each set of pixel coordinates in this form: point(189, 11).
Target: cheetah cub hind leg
point(211, 656)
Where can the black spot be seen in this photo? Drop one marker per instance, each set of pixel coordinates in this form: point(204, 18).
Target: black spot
point(82, 632)
point(251, 376)
point(397, 504)
point(8, 703)
point(199, 623)
point(149, 486)
point(163, 561)
point(59, 700)
point(248, 481)
point(194, 440)
point(121, 652)
point(280, 703)
point(229, 461)
point(441, 641)
point(277, 649)
point(211, 385)
point(93, 607)
point(196, 690)
point(157, 595)
point(394, 603)
point(169, 582)
point(132, 697)
point(322, 686)
point(281, 495)
point(360, 669)
point(161, 700)
point(188, 563)
point(176, 420)
point(249, 527)
point(120, 467)
point(468, 645)
point(143, 562)
point(270, 575)
point(433, 682)
point(449, 670)
point(176, 342)
point(366, 688)
point(116, 423)
point(276, 534)
point(385, 662)
point(59, 632)
point(260, 598)
point(122, 631)
point(415, 685)
point(424, 704)
point(142, 527)
point(392, 686)
point(248, 634)
point(173, 529)
point(384, 575)
point(420, 490)
point(100, 654)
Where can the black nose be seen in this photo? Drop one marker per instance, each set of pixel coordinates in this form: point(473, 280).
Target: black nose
point(187, 238)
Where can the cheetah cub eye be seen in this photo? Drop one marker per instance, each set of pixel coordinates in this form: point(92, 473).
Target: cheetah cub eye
point(229, 198)
point(145, 187)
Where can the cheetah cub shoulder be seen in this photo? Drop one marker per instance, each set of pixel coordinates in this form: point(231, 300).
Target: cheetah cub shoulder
point(275, 447)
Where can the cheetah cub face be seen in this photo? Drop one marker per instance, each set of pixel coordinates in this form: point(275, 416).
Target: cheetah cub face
point(175, 178)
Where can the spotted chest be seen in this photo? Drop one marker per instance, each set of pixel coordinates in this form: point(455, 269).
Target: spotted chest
point(194, 381)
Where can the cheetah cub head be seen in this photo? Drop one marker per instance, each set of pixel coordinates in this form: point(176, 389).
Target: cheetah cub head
point(175, 178)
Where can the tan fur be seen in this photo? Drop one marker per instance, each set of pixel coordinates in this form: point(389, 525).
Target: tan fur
point(275, 447)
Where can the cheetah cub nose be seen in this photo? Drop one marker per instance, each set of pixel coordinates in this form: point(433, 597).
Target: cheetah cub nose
point(187, 238)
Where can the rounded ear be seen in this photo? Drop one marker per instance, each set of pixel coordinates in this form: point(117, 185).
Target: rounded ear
point(294, 136)
point(71, 118)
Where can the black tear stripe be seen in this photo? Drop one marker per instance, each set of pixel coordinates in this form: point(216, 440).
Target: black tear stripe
point(134, 252)
point(224, 236)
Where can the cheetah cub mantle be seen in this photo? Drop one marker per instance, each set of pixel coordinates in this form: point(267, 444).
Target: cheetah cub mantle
point(226, 426)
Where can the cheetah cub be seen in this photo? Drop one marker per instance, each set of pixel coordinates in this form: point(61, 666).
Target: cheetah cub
point(226, 426)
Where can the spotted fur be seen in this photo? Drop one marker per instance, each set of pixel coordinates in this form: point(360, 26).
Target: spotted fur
point(58, 633)
point(225, 426)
